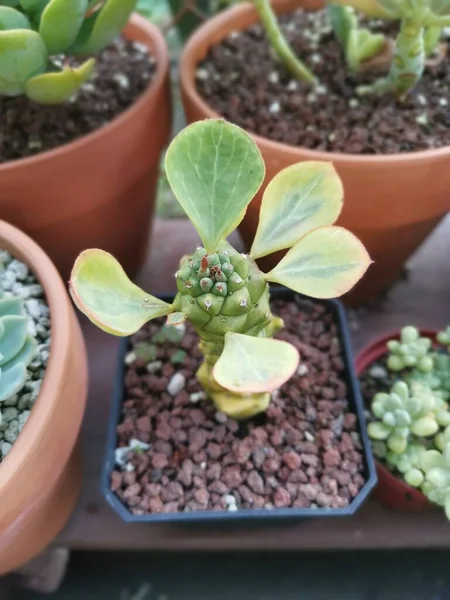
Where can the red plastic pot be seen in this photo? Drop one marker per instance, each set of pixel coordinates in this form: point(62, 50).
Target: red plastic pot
point(391, 491)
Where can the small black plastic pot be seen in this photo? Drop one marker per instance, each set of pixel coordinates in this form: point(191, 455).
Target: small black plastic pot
point(245, 516)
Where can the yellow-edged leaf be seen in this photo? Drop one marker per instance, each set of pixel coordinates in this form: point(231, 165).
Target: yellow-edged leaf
point(298, 199)
point(325, 263)
point(214, 169)
point(251, 365)
point(102, 291)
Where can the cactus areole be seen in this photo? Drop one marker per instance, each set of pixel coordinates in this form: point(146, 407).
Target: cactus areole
point(215, 169)
point(37, 37)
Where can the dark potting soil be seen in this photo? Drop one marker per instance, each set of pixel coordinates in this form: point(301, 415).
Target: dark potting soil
point(305, 451)
point(242, 80)
point(123, 71)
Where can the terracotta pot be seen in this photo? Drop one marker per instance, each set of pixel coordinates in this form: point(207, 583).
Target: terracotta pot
point(40, 477)
point(99, 190)
point(392, 202)
point(391, 491)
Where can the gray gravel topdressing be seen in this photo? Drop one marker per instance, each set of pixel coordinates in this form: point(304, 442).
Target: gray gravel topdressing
point(17, 280)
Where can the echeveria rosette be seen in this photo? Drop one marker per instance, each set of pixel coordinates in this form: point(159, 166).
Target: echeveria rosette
point(214, 169)
point(17, 347)
point(405, 412)
point(37, 36)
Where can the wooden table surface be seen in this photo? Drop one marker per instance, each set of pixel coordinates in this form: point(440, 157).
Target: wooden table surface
point(424, 300)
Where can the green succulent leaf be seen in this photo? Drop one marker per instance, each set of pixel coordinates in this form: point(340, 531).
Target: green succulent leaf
point(214, 169)
point(424, 427)
point(11, 306)
point(325, 263)
point(431, 459)
point(343, 20)
point(103, 26)
point(13, 338)
point(25, 355)
point(362, 44)
point(378, 430)
point(250, 365)
point(12, 19)
point(12, 380)
point(22, 55)
point(54, 88)
point(11, 3)
point(34, 6)
point(101, 289)
point(61, 22)
point(300, 198)
point(376, 9)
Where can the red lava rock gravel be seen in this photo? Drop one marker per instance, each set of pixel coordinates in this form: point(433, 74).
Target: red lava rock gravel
point(242, 80)
point(303, 452)
point(123, 71)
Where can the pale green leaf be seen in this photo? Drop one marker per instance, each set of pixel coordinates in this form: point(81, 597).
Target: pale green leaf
point(250, 365)
point(342, 20)
point(298, 199)
point(22, 55)
point(12, 19)
point(104, 26)
point(102, 291)
point(12, 380)
point(214, 169)
point(25, 355)
point(176, 318)
point(54, 88)
point(14, 336)
point(325, 263)
point(60, 23)
point(362, 45)
point(11, 306)
point(431, 459)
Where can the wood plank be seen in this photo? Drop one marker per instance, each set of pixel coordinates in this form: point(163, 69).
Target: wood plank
point(423, 300)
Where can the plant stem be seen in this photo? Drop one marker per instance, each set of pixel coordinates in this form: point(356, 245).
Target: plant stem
point(280, 45)
point(407, 65)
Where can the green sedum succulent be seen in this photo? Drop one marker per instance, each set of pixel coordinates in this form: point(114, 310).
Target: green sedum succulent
point(443, 337)
point(411, 350)
point(436, 468)
point(215, 169)
point(37, 37)
point(17, 348)
point(404, 412)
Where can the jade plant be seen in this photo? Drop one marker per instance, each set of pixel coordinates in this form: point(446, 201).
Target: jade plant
point(214, 169)
point(420, 23)
point(17, 347)
point(410, 424)
point(38, 38)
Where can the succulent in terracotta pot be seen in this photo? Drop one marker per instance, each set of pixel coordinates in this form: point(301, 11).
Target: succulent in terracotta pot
point(215, 169)
point(410, 422)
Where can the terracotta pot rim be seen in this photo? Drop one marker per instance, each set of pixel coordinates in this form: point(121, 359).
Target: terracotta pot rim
point(188, 65)
point(162, 64)
point(61, 320)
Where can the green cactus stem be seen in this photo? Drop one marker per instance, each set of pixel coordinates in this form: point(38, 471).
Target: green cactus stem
point(407, 65)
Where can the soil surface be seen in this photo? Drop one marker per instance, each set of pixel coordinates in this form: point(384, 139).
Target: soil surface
point(123, 71)
point(243, 81)
point(305, 451)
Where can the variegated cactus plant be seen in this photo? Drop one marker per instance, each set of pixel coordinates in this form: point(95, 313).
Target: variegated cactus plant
point(420, 25)
point(38, 36)
point(17, 347)
point(215, 169)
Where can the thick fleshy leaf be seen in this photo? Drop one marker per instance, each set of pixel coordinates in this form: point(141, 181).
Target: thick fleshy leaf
point(384, 9)
point(12, 381)
point(60, 23)
point(31, 6)
point(102, 291)
point(250, 365)
point(13, 338)
point(325, 263)
point(431, 459)
point(214, 169)
point(12, 19)
point(363, 44)
point(54, 88)
point(11, 3)
point(24, 356)
point(103, 26)
point(11, 306)
point(298, 199)
point(176, 318)
point(22, 55)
